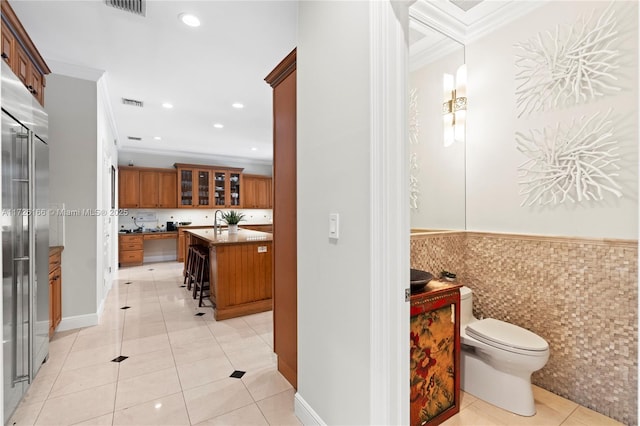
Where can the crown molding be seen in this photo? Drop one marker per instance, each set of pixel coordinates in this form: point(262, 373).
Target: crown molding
point(463, 27)
point(76, 71)
point(222, 159)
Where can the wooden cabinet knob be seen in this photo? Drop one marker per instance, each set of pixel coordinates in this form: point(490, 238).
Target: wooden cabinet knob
point(5, 56)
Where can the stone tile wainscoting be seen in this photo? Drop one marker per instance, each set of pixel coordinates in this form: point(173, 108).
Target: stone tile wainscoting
point(579, 294)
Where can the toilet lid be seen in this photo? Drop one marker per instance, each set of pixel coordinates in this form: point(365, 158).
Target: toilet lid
point(499, 333)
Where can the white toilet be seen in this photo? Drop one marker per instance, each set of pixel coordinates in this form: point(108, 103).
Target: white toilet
point(497, 359)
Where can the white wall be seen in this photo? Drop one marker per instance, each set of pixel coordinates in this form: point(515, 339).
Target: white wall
point(333, 177)
point(441, 173)
point(71, 104)
point(493, 203)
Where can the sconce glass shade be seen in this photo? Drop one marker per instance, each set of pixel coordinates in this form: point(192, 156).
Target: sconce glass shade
point(454, 107)
point(460, 104)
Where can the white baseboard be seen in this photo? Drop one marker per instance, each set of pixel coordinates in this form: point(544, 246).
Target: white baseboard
point(78, 321)
point(305, 413)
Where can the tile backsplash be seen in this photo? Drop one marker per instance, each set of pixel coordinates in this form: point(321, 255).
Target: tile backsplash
point(579, 294)
point(152, 218)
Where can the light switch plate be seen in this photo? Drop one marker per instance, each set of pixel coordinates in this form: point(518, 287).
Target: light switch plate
point(334, 226)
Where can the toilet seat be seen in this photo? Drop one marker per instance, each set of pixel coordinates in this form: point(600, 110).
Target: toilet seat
point(507, 336)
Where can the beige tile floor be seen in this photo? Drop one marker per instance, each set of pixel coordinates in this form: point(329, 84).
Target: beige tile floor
point(178, 367)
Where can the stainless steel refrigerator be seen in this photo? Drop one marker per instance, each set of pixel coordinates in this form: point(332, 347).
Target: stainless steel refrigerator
point(25, 238)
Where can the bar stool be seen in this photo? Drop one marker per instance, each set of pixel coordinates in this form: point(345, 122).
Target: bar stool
point(201, 281)
point(189, 269)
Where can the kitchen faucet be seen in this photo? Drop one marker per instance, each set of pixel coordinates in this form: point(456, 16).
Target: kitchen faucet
point(215, 223)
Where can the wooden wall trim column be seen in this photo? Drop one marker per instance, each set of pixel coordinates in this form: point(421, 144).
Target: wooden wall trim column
point(285, 287)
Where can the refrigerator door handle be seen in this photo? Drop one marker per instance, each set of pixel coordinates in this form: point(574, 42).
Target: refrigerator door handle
point(15, 378)
point(33, 288)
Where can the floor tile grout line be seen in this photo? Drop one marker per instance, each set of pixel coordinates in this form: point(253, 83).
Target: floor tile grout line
point(54, 381)
point(175, 364)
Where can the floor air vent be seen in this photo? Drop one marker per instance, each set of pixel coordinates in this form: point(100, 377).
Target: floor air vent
point(134, 6)
point(132, 102)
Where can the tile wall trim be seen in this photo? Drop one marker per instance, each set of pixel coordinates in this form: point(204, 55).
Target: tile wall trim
point(556, 239)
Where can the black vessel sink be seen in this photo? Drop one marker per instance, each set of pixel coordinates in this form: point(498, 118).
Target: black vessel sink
point(419, 279)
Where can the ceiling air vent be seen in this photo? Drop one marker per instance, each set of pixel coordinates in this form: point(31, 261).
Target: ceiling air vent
point(132, 102)
point(134, 138)
point(133, 6)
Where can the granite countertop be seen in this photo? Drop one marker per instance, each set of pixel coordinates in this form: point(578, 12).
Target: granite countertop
point(243, 236)
point(147, 232)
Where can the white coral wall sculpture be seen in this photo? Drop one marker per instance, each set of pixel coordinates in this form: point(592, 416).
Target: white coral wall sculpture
point(570, 65)
point(414, 127)
point(577, 163)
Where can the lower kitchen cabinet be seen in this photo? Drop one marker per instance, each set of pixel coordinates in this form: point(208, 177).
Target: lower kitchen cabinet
point(130, 249)
point(55, 288)
point(131, 246)
point(435, 354)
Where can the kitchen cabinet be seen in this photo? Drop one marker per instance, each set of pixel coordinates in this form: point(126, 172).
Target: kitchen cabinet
point(194, 187)
point(128, 188)
point(131, 246)
point(142, 187)
point(202, 186)
point(22, 56)
point(158, 189)
point(434, 353)
point(130, 249)
point(55, 288)
point(257, 192)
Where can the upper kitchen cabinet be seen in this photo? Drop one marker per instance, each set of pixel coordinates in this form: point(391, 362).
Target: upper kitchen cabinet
point(128, 188)
point(194, 188)
point(257, 192)
point(22, 56)
point(142, 187)
point(158, 189)
point(208, 186)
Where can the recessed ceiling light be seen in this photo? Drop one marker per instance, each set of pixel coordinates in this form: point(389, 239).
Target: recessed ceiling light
point(254, 149)
point(158, 138)
point(189, 19)
point(218, 126)
point(167, 105)
point(237, 105)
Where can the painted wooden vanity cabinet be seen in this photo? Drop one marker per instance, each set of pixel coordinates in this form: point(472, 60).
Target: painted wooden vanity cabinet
point(435, 353)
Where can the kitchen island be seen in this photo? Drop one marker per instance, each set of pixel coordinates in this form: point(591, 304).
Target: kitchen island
point(240, 272)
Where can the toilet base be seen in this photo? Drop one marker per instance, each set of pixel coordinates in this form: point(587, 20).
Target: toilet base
point(507, 391)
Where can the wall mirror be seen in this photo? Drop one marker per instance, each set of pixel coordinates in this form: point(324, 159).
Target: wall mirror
point(437, 187)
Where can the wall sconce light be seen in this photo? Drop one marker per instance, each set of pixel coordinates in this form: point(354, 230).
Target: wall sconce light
point(454, 107)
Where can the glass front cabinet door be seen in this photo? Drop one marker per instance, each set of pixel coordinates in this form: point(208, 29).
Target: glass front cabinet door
point(220, 188)
point(235, 180)
point(185, 186)
point(209, 187)
point(204, 189)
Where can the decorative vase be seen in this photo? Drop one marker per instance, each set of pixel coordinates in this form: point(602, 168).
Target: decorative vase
point(233, 229)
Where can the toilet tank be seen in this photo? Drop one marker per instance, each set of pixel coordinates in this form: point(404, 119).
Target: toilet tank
point(466, 306)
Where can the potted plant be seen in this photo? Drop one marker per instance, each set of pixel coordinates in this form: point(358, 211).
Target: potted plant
point(232, 218)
